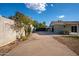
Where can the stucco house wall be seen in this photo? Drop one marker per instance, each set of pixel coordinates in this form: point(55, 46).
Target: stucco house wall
point(67, 28)
point(78, 28)
point(58, 28)
point(61, 26)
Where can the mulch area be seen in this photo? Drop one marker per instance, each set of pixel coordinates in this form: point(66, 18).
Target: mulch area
point(70, 42)
point(5, 49)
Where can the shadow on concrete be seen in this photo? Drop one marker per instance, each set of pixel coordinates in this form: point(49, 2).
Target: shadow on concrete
point(48, 33)
point(45, 33)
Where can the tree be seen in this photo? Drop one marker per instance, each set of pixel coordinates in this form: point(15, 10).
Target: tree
point(21, 21)
point(42, 25)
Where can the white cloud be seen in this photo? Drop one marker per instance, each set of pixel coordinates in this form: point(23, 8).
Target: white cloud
point(39, 7)
point(61, 16)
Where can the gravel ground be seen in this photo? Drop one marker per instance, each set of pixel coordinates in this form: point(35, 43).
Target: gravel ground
point(70, 42)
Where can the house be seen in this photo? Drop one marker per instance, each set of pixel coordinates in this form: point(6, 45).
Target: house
point(65, 27)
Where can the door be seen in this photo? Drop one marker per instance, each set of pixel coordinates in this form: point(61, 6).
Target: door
point(53, 29)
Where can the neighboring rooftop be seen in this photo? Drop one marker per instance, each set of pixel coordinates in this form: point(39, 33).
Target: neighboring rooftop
point(64, 22)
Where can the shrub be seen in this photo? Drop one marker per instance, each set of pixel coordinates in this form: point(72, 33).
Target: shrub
point(23, 38)
point(66, 32)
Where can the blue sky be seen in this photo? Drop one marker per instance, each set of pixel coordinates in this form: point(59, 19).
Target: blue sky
point(42, 11)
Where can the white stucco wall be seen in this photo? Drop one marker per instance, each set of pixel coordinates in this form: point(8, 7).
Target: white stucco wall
point(59, 28)
point(78, 29)
point(7, 35)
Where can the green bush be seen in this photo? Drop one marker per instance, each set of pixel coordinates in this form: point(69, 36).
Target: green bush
point(66, 32)
point(23, 38)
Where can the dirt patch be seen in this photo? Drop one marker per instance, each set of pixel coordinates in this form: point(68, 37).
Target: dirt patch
point(71, 42)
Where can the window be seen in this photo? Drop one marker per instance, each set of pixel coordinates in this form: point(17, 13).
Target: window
point(74, 28)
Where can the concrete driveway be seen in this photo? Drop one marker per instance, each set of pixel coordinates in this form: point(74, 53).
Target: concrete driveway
point(41, 45)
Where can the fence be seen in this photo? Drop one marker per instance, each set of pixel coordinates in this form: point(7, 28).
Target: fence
point(7, 35)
